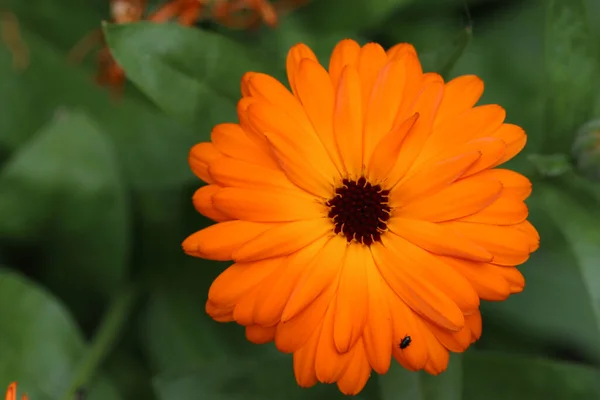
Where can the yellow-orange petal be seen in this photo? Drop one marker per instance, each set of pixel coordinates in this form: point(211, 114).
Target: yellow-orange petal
point(232, 141)
point(460, 95)
point(261, 205)
point(358, 372)
point(317, 95)
point(295, 56)
point(239, 279)
point(282, 239)
point(378, 335)
point(203, 203)
point(352, 298)
point(460, 199)
point(276, 290)
point(304, 361)
point(330, 365)
point(424, 266)
point(439, 239)
point(348, 122)
point(421, 296)
point(371, 60)
point(200, 157)
point(515, 138)
point(318, 275)
point(254, 134)
point(507, 244)
point(259, 334)
point(382, 107)
point(387, 151)
point(219, 242)
point(299, 152)
point(344, 53)
point(432, 178)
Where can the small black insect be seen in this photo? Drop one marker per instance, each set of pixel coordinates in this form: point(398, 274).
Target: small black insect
point(405, 342)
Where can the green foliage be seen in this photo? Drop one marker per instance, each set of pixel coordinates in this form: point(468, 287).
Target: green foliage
point(95, 200)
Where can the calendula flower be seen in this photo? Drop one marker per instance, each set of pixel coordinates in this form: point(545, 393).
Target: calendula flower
point(364, 212)
point(11, 393)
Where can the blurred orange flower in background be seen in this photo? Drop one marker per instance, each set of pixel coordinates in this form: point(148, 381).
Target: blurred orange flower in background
point(11, 393)
point(364, 211)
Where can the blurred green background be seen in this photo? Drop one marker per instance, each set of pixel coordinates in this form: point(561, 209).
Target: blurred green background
point(95, 199)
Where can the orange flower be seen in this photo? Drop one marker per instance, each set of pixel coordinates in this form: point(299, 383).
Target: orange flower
point(11, 393)
point(364, 213)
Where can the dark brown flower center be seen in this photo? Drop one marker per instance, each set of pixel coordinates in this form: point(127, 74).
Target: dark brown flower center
point(360, 210)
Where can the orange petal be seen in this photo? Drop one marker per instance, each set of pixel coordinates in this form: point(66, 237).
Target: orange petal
point(243, 312)
point(515, 185)
point(295, 56)
point(358, 372)
point(317, 95)
point(203, 203)
point(304, 361)
point(261, 205)
point(201, 155)
point(462, 198)
point(218, 313)
point(398, 51)
point(505, 210)
point(283, 239)
point(345, 53)
point(426, 105)
point(317, 276)
point(352, 299)
point(232, 141)
point(432, 178)
point(507, 244)
point(260, 335)
point(277, 288)
point(420, 295)
point(439, 239)
point(460, 95)
point(239, 279)
point(11, 393)
point(475, 325)
point(456, 342)
point(299, 152)
point(255, 135)
point(236, 173)
point(533, 237)
point(348, 122)
point(388, 149)
point(485, 278)
point(515, 138)
point(514, 277)
point(329, 364)
point(219, 242)
point(294, 334)
point(438, 354)
point(383, 105)
point(378, 335)
point(371, 60)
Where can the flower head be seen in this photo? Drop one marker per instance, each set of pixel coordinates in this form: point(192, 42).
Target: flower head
point(11, 393)
point(364, 212)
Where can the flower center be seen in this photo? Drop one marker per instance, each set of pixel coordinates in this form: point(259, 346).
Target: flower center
point(360, 210)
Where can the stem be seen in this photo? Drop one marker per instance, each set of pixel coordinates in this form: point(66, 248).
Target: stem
point(104, 340)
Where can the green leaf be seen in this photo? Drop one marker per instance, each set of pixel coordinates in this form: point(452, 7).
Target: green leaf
point(572, 71)
point(497, 376)
point(40, 344)
point(189, 73)
point(400, 383)
point(562, 276)
point(62, 194)
point(257, 378)
point(357, 15)
point(151, 148)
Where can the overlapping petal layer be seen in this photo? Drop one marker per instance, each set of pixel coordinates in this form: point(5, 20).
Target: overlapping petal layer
point(456, 229)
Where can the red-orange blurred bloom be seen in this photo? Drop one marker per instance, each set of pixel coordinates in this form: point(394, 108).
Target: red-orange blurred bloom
point(11, 393)
point(362, 208)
